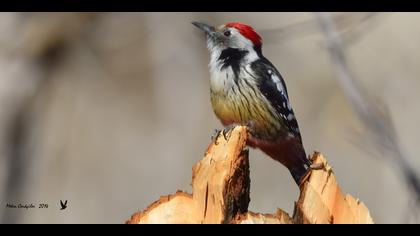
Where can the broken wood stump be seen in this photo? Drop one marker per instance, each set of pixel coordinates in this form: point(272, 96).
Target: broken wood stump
point(221, 185)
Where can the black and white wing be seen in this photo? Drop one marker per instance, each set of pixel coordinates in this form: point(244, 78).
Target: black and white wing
point(273, 87)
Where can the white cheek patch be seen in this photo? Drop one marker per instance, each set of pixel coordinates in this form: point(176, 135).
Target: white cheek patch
point(244, 44)
point(240, 41)
point(251, 56)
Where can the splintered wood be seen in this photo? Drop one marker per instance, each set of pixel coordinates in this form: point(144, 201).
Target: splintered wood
point(322, 201)
point(221, 187)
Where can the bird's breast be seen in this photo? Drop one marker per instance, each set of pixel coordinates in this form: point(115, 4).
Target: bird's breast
point(222, 96)
point(236, 101)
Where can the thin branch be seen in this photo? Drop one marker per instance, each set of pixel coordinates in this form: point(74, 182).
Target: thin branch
point(374, 114)
point(349, 25)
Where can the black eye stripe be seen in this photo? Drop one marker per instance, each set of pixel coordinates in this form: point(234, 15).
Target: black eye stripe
point(227, 33)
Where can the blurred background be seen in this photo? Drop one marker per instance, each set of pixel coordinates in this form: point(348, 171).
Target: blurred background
point(111, 110)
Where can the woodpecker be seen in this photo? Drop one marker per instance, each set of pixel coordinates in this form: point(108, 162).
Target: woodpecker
point(246, 89)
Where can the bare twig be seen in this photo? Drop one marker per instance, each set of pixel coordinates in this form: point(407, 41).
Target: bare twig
point(374, 115)
point(349, 25)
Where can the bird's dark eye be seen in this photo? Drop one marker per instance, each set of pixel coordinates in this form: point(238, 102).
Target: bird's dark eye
point(227, 33)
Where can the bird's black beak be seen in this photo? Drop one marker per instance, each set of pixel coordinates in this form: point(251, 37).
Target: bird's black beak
point(209, 30)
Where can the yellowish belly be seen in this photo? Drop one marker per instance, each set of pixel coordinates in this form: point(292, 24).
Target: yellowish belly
point(234, 110)
point(227, 111)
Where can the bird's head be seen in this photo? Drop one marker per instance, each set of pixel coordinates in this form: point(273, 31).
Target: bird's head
point(232, 35)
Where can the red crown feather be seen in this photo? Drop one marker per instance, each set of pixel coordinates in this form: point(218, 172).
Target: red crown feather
point(247, 31)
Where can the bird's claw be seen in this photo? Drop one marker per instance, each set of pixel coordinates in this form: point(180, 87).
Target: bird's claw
point(215, 135)
point(227, 131)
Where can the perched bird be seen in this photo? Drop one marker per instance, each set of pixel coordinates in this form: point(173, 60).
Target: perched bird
point(246, 89)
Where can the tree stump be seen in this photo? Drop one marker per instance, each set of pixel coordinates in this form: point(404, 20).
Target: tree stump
point(221, 186)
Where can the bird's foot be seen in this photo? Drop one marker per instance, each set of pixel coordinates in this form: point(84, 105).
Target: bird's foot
point(215, 135)
point(314, 166)
point(227, 131)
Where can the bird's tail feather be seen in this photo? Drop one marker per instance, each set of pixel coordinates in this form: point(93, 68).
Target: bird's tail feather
point(289, 152)
point(298, 172)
